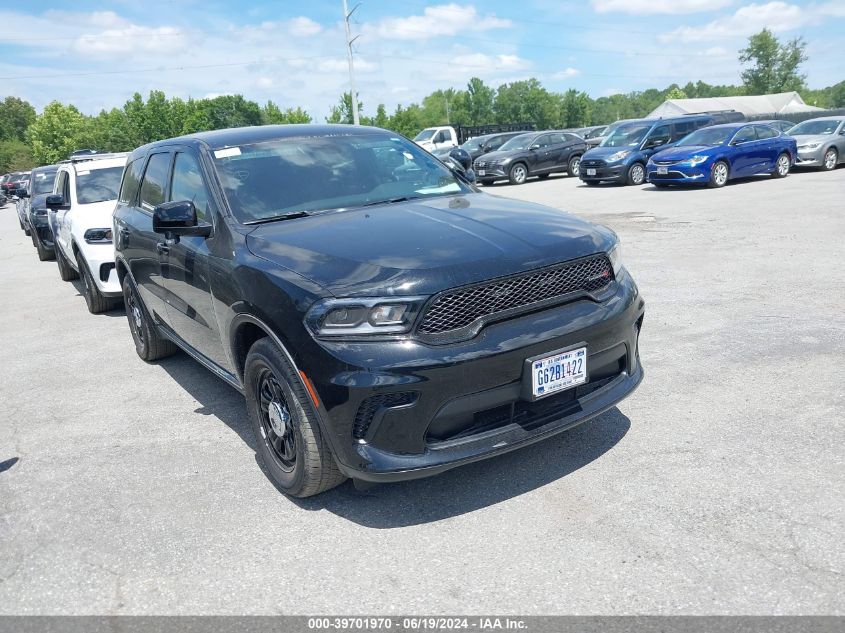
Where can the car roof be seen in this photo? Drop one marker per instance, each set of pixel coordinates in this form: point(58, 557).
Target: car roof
point(230, 137)
point(833, 117)
point(44, 168)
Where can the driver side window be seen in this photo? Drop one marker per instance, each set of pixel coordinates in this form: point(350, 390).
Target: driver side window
point(187, 184)
point(659, 133)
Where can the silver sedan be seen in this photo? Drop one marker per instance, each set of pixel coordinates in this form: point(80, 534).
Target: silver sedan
point(821, 142)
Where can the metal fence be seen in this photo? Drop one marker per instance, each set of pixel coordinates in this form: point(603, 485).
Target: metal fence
point(797, 117)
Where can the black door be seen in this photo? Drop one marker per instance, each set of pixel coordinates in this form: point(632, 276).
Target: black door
point(187, 266)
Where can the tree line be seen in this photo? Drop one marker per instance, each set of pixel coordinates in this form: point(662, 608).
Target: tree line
point(28, 139)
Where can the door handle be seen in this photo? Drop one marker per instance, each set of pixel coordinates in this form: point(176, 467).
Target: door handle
point(162, 248)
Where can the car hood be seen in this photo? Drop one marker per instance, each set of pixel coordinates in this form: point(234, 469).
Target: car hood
point(804, 139)
point(605, 152)
point(423, 247)
point(679, 153)
point(491, 157)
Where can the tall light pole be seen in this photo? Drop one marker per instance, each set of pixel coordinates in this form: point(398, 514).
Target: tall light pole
point(349, 40)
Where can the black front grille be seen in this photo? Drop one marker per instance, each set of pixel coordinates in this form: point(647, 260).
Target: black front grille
point(459, 308)
point(592, 163)
point(369, 407)
point(666, 162)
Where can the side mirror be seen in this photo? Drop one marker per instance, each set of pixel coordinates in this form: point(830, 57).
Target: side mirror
point(56, 202)
point(657, 142)
point(174, 219)
point(487, 148)
point(462, 157)
point(533, 147)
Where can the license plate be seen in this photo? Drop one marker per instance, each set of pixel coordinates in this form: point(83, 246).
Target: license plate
point(591, 172)
point(558, 372)
point(662, 170)
point(481, 172)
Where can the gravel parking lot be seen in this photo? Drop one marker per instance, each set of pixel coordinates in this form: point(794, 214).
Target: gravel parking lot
point(717, 488)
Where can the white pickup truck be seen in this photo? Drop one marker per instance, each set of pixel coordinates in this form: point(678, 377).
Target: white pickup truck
point(432, 138)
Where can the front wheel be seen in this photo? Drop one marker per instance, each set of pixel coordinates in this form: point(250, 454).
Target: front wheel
point(517, 174)
point(831, 157)
point(94, 299)
point(149, 344)
point(718, 175)
point(636, 174)
point(44, 254)
point(574, 168)
point(781, 166)
point(291, 447)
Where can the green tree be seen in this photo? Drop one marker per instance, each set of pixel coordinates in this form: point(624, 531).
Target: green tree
point(774, 66)
point(576, 109)
point(56, 132)
point(271, 114)
point(15, 155)
point(479, 102)
point(526, 102)
point(342, 112)
point(381, 119)
point(676, 93)
point(16, 115)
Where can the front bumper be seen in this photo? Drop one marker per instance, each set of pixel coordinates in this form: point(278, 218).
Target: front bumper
point(810, 158)
point(41, 226)
point(402, 409)
point(493, 172)
point(600, 171)
point(100, 260)
point(678, 173)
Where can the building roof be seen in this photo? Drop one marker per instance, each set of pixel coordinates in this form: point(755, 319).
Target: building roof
point(781, 103)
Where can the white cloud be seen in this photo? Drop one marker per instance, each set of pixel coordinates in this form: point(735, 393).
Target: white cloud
point(437, 21)
point(131, 38)
point(303, 27)
point(474, 61)
point(776, 16)
point(566, 73)
point(342, 65)
point(643, 7)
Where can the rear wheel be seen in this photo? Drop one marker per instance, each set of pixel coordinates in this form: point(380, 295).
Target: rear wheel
point(574, 168)
point(781, 166)
point(636, 174)
point(66, 272)
point(149, 344)
point(517, 174)
point(718, 175)
point(831, 157)
point(293, 452)
point(94, 299)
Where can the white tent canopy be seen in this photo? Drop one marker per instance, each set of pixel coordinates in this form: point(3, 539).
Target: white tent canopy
point(782, 103)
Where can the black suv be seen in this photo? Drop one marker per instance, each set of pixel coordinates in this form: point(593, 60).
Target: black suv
point(533, 154)
point(36, 215)
point(384, 319)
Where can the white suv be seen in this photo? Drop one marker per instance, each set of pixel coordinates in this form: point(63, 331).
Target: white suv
point(81, 206)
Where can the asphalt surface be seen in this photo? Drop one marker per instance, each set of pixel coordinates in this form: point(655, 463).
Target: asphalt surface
point(717, 488)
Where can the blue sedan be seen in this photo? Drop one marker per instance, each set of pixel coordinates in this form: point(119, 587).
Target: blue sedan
point(713, 155)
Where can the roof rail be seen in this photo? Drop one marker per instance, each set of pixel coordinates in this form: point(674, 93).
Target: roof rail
point(708, 112)
point(89, 157)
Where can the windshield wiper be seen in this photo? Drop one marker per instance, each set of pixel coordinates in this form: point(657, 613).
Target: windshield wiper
point(390, 201)
point(277, 218)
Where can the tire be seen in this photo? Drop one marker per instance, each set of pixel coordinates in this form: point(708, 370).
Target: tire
point(574, 168)
point(44, 254)
point(149, 344)
point(782, 166)
point(830, 159)
point(94, 299)
point(636, 174)
point(66, 272)
point(298, 459)
point(26, 229)
point(517, 173)
point(543, 176)
point(718, 175)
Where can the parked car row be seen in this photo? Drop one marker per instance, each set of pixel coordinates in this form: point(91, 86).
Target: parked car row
point(353, 288)
point(669, 151)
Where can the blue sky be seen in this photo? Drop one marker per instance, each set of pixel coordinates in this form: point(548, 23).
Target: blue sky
point(95, 54)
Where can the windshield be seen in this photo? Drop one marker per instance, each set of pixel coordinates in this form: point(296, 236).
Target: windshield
point(42, 182)
point(628, 135)
point(304, 174)
point(523, 141)
point(816, 127)
point(97, 185)
point(425, 135)
point(708, 136)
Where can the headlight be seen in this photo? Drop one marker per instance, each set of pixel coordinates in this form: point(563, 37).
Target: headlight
point(618, 156)
point(810, 146)
point(98, 236)
point(355, 317)
point(615, 257)
point(695, 160)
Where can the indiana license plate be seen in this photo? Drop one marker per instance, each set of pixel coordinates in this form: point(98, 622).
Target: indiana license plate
point(591, 172)
point(662, 170)
point(558, 372)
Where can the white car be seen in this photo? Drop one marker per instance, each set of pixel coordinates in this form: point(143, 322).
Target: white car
point(84, 196)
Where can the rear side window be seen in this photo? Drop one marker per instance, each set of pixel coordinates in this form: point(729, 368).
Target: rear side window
point(131, 181)
point(764, 131)
point(155, 178)
point(745, 135)
point(682, 128)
